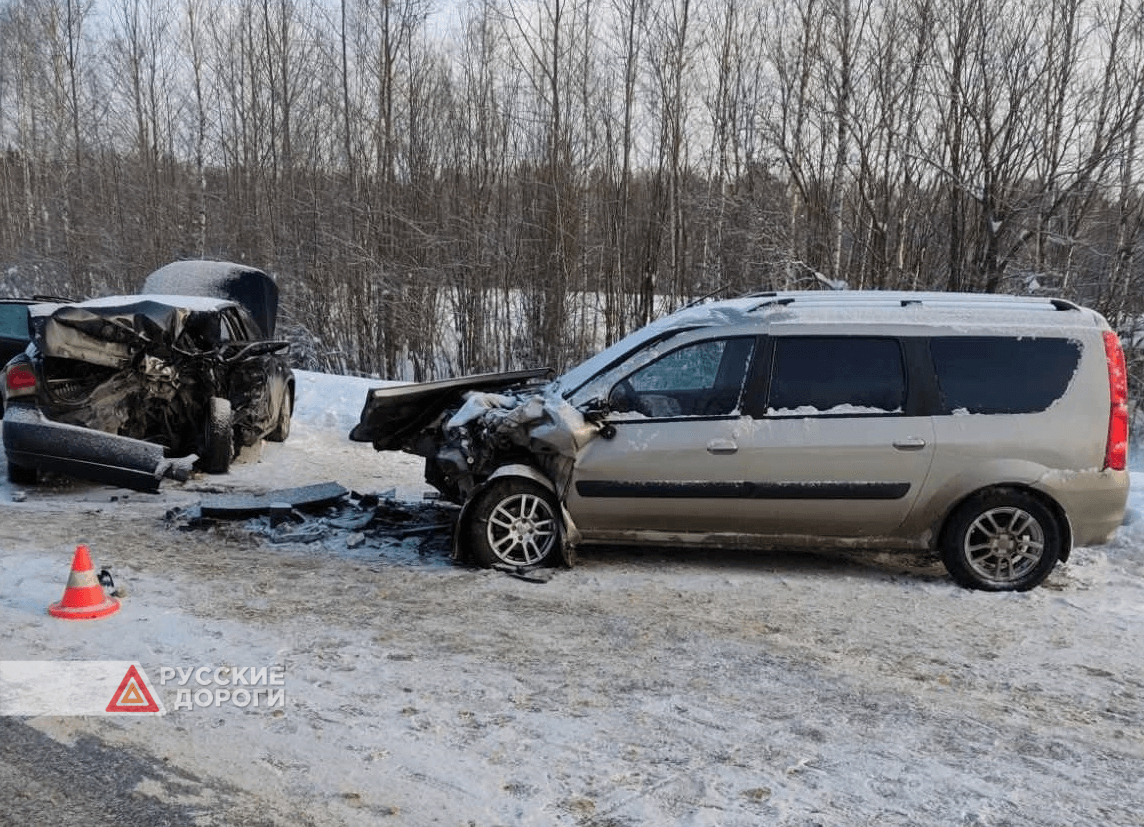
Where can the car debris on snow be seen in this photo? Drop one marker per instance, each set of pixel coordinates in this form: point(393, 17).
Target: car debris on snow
point(250, 505)
point(337, 517)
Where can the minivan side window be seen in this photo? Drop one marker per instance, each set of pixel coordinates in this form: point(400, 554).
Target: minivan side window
point(813, 375)
point(700, 379)
point(1002, 374)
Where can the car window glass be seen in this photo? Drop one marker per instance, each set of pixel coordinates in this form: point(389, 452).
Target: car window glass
point(229, 329)
point(13, 321)
point(700, 379)
point(1000, 374)
point(837, 375)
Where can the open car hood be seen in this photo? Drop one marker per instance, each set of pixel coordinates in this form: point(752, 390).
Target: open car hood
point(394, 417)
point(240, 283)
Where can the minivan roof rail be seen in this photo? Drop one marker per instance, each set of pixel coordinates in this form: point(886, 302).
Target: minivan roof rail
point(774, 298)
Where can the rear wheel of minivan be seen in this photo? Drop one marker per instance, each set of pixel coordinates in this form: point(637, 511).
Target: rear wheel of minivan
point(515, 522)
point(1001, 540)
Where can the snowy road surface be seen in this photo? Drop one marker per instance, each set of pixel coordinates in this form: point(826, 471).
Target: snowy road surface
point(641, 688)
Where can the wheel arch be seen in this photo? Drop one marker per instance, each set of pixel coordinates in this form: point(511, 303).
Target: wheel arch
point(520, 470)
point(1042, 497)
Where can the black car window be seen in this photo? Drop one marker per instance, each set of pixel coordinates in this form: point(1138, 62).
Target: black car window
point(231, 328)
point(837, 375)
point(700, 379)
point(1002, 374)
point(14, 321)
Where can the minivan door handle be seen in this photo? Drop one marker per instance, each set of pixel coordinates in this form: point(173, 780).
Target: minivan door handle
point(722, 446)
point(912, 443)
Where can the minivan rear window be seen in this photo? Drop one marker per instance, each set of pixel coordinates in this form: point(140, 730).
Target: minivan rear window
point(1002, 374)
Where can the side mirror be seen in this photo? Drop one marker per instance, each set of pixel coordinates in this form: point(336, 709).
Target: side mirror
point(594, 411)
point(595, 408)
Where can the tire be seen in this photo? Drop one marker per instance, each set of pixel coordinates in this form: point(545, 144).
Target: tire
point(516, 522)
point(1001, 540)
point(21, 475)
point(281, 428)
point(218, 437)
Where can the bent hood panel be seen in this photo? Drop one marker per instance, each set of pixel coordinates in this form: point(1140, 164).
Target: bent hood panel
point(110, 333)
point(248, 286)
point(393, 417)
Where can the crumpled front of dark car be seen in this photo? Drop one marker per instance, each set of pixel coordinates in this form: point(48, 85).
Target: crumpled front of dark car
point(142, 371)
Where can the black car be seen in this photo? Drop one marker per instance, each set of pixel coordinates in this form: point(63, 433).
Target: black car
point(128, 390)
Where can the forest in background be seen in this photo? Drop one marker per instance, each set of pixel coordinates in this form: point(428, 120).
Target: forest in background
point(540, 177)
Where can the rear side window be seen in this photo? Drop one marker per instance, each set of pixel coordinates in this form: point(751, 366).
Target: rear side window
point(1002, 375)
point(838, 375)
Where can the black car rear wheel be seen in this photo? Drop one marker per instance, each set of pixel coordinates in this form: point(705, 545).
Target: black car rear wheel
point(218, 437)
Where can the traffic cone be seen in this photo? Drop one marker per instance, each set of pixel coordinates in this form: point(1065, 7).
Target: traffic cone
point(83, 597)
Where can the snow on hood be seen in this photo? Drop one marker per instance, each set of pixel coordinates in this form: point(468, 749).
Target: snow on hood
point(246, 285)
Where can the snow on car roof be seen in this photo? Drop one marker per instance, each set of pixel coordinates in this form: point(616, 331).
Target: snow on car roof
point(197, 303)
point(963, 312)
point(252, 288)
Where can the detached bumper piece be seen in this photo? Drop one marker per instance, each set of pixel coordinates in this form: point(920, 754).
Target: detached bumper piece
point(31, 440)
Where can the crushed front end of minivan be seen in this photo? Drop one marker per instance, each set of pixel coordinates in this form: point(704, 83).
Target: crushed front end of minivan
point(469, 427)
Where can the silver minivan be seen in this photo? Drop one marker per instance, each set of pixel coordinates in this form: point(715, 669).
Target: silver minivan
point(992, 429)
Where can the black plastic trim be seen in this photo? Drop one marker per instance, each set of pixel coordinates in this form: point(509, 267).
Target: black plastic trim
point(744, 490)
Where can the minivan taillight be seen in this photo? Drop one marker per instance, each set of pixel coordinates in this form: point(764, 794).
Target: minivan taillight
point(20, 380)
point(1116, 451)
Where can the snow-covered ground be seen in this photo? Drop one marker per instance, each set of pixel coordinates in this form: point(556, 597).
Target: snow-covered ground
point(656, 687)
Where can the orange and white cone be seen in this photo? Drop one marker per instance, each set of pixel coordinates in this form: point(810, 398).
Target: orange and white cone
point(83, 597)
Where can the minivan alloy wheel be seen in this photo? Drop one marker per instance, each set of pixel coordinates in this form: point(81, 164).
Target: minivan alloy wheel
point(522, 529)
point(1002, 540)
point(1004, 544)
point(516, 523)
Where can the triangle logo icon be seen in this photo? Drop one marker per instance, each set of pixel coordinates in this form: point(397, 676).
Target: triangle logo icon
point(132, 694)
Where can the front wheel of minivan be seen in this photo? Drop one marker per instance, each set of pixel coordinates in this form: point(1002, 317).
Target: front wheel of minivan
point(1001, 540)
point(515, 522)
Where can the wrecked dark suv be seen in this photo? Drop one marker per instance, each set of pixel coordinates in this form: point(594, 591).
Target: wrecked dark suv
point(989, 429)
point(128, 390)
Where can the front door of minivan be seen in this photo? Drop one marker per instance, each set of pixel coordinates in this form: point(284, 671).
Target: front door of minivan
point(821, 444)
point(670, 465)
